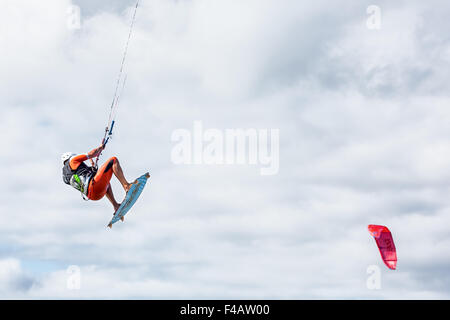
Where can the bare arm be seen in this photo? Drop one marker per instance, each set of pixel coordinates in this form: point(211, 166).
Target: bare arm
point(77, 160)
point(95, 152)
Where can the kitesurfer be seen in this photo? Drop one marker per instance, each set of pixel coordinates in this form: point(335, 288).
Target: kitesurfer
point(93, 184)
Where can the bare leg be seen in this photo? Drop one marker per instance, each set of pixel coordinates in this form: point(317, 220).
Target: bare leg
point(118, 172)
point(110, 196)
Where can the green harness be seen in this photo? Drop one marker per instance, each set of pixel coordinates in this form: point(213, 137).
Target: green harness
point(79, 183)
point(80, 186)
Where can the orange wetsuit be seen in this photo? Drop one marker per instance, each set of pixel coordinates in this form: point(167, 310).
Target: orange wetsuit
point(99, 184)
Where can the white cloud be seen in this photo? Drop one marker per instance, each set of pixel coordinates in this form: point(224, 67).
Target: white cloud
point(13, 280)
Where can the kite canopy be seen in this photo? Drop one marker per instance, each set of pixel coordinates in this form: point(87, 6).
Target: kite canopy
point(385, 243)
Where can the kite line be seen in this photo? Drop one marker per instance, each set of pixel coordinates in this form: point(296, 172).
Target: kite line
point(121, 80)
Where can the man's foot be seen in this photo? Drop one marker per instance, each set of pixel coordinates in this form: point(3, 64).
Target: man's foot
point(127, 187)
point(122, 218)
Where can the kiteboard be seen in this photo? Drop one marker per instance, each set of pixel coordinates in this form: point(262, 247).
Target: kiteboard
point(130, 199)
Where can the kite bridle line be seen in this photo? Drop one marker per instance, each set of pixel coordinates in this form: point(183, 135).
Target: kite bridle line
point(115, 102)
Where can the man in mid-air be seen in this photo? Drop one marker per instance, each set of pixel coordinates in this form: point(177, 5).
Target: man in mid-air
point(93, 184)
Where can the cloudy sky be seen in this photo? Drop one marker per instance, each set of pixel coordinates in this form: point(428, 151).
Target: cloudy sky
point(363, 115)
